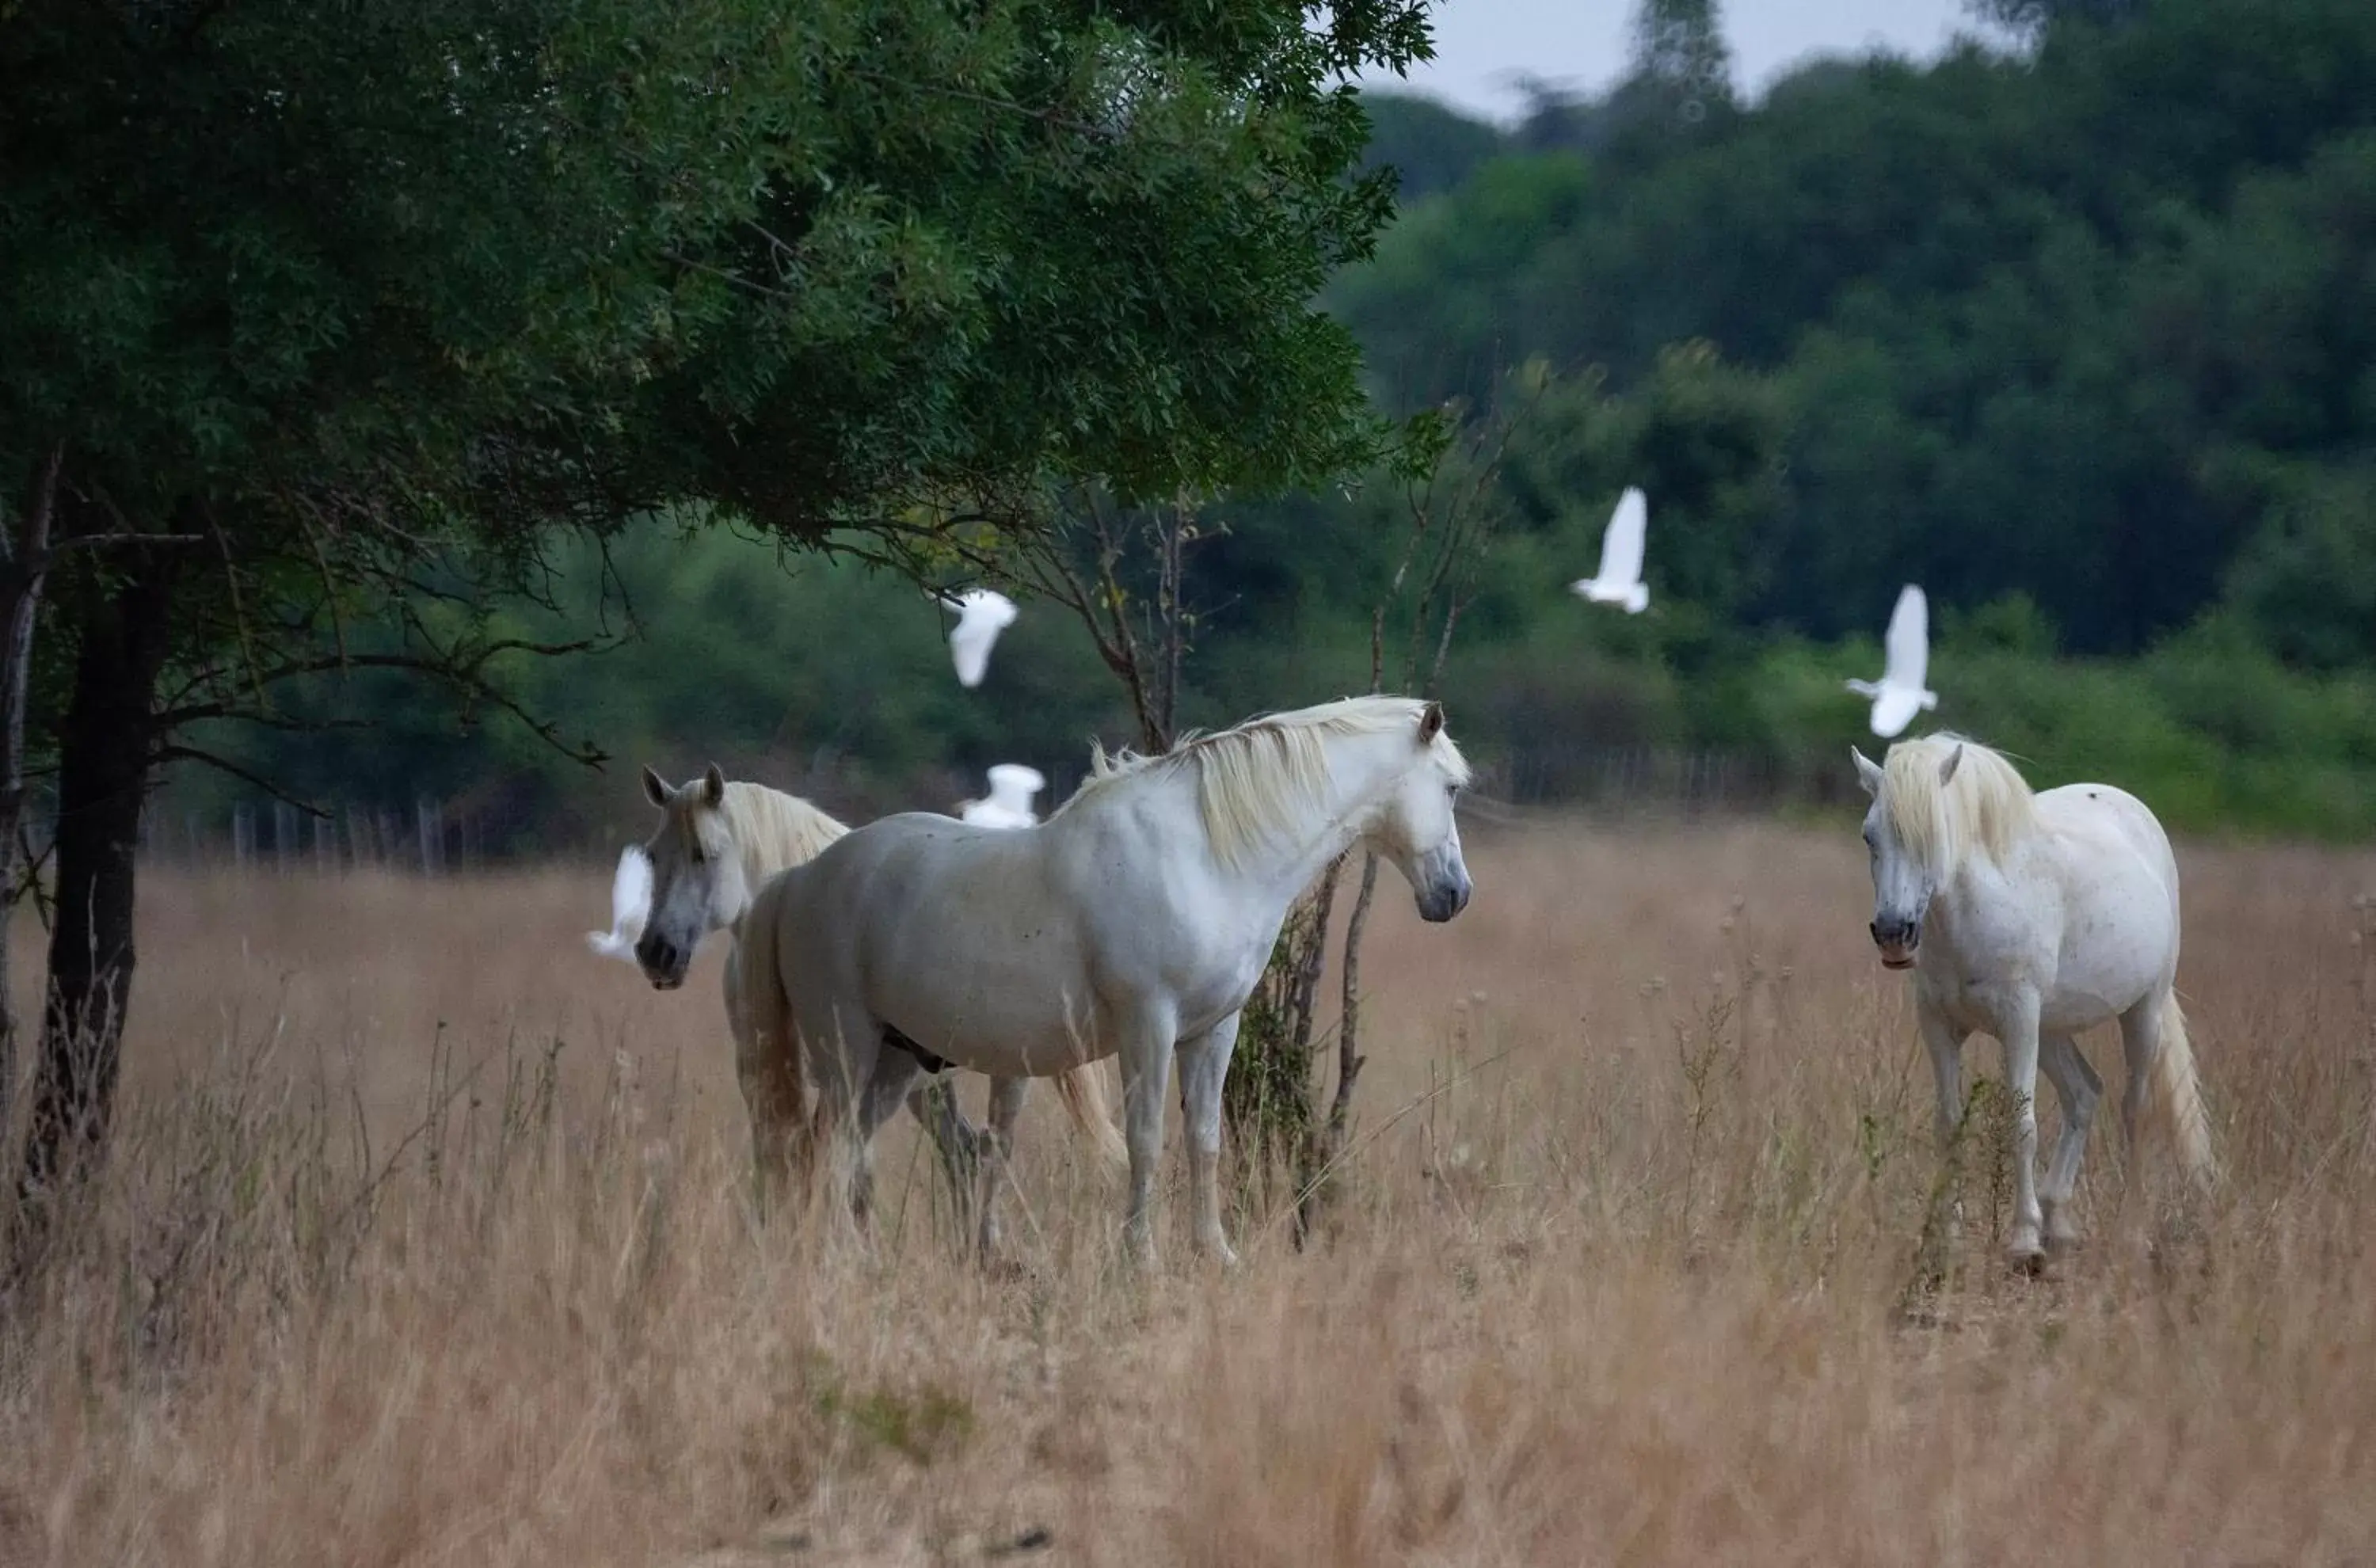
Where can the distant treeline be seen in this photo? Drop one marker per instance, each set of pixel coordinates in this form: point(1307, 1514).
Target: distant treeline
point(2083, 338)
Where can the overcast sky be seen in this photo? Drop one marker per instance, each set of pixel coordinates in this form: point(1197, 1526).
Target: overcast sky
point(1480, 45)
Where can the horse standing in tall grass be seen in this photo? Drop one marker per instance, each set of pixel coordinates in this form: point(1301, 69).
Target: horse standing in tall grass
point(717, 845)
point(1134, 922)
point(2031, 917)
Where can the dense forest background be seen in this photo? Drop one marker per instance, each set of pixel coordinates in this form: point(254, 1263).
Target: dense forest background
point(2077, 331)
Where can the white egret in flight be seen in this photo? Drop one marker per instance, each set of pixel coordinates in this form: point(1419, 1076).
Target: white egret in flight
point(1905, 664)
point(983, 613)
point(1619, 578)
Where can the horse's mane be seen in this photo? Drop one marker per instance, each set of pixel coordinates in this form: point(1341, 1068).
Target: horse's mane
point(773, 830)
point(1984, 807)
point(1259, 777)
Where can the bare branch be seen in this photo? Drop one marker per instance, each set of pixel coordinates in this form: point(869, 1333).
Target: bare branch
point(180, 752)
point(104, 541)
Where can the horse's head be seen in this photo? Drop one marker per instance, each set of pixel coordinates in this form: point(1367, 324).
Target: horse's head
point(1416, 828)
point(697, 881)
point(1902, 878)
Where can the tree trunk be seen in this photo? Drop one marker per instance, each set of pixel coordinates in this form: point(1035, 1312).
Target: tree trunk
point(104, 762)
point(20, 598)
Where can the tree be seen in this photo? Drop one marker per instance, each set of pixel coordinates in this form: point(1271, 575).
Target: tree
point(1430, 146)
point(1679, 47)
point(2031, 18)
point(373, 300)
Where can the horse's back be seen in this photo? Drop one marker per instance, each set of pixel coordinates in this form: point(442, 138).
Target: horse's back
point(2108, 816)
point(2120, 879)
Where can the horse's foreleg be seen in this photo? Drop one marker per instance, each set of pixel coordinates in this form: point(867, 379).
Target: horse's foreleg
point(1203, 1067)
point(2078, 1089)
point(2020, 1038)
point(1946, 1044)
point(1145, 1052)
point(769, 1070)
point(1943, 1228)
point(1006, 1096)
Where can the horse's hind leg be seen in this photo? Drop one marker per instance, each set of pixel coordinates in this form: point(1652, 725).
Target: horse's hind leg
point(1006, 1096)
point(2078, 1088)
point(893, 1073)
point(841, 1064)
point(957, 1141)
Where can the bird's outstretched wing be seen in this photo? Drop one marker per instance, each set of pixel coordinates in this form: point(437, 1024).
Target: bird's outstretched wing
point(1906, 652)
point(982, 615)
point(1622, 542)
point(631, 906)
point(631, 890)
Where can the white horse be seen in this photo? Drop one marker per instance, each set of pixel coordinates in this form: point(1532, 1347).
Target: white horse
point(1134, 922)
point(719, 842)
point(2031, 918)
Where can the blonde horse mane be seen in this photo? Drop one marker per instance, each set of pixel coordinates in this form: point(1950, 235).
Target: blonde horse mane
point(1983, 809)
point(1257, 778)
point(773, 831)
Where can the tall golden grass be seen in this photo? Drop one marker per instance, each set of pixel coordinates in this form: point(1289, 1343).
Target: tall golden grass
point(426, 1241)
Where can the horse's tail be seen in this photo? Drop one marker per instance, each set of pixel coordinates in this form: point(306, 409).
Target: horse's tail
point(2177, 1096)
point(1083, 1090)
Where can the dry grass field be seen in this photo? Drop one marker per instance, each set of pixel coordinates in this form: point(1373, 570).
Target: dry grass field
point(426, 1242)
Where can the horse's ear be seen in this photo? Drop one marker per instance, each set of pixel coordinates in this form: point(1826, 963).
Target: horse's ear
point(655, 789)
point(713, 787)
point(1867, 772)
point(1947, 768)
point(1430, 723)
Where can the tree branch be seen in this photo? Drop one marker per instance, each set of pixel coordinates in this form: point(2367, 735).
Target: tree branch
point(1052, 117)
point(176, 752)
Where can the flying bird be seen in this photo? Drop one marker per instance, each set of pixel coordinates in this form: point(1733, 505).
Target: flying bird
point(1012, 787)
point(1905, 664)
point(1619, 578)
point(983, 613)
point(631, 904)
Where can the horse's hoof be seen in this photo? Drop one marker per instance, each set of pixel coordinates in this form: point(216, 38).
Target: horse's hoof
point(2027, 1264)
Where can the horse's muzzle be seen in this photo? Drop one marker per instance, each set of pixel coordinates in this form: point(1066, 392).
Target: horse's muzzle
point(1897, 945)
point(663, 962)
point(1440, 903)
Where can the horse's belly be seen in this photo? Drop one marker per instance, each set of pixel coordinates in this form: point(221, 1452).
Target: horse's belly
point(1019, 1031)
point(2114, 954)
point(2101, 981)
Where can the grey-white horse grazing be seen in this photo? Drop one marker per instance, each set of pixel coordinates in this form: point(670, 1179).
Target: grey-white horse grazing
point(2031, 917)
point(719, 842)
point(1134, 922)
